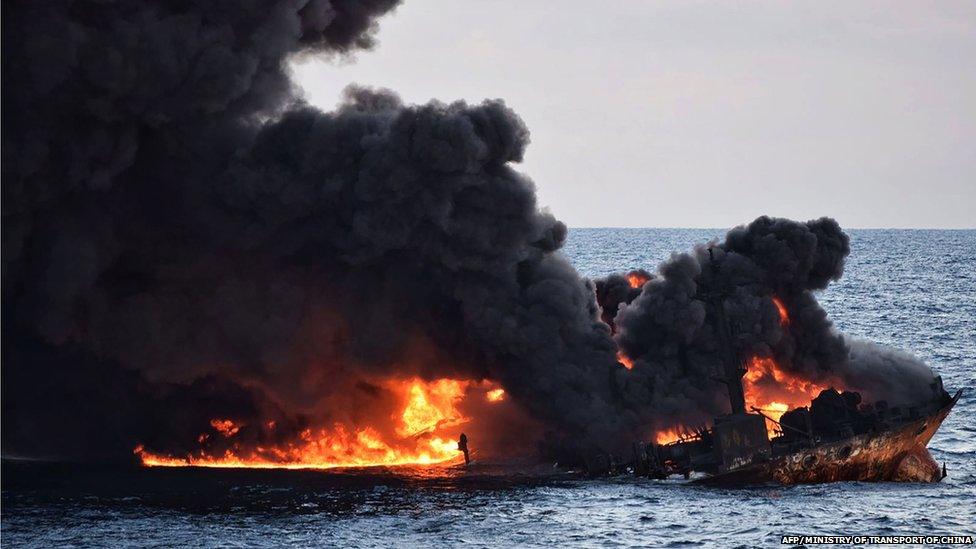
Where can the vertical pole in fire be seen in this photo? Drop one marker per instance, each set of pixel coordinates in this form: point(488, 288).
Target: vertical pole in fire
point(463, 446)
point(733, 368)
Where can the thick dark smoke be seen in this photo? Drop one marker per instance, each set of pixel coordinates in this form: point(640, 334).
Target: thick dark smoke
point(616, 290)
point(116, 117)
point(172, 213)
point(669, 332)
point(185, 239)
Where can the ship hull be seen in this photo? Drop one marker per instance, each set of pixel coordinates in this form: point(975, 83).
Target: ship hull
point(897, 454)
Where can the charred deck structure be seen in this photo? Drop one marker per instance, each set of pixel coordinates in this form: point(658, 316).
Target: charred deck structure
point(832, 440)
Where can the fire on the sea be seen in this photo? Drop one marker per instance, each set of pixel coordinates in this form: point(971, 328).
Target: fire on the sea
point(939, 540)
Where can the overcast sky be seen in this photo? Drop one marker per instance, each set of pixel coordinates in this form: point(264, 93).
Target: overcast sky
point(706, 114)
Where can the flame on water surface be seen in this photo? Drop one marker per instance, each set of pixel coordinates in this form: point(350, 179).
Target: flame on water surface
point(424, 433)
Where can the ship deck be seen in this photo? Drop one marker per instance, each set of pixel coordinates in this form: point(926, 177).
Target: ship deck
point(870, 457)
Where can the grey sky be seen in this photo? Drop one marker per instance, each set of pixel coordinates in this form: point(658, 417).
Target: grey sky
point(706, 114)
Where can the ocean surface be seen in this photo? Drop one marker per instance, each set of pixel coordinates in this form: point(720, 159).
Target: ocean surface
point(912, 289)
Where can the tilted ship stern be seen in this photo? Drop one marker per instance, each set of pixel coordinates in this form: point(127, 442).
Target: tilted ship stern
point(869, 443)
point(835, 439)
point(893, 447)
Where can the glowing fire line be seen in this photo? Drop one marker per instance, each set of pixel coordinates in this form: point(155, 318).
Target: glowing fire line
point(429, 408)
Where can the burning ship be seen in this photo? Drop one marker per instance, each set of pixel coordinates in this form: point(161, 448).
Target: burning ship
point(831, 440)
point(205, 270)
point(835, 438)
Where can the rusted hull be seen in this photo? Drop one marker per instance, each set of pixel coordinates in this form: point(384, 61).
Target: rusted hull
point(898, 454)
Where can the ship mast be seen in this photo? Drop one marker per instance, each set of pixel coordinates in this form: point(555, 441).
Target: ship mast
point(733, 370)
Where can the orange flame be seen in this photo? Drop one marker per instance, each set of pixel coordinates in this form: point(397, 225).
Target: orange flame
point(225, 427)
point(419, 437)
point(625, 360)
point(636, 280)
point(673, 434)
point(770, 389)
point(430, 405)
point(784, 315)
point(495, 395)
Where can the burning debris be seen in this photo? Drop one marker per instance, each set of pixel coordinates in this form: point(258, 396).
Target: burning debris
point(200, 266)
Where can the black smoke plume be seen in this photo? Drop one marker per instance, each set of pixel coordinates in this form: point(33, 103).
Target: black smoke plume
point(670, 335)
point(616, 290)
point(184, 239)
